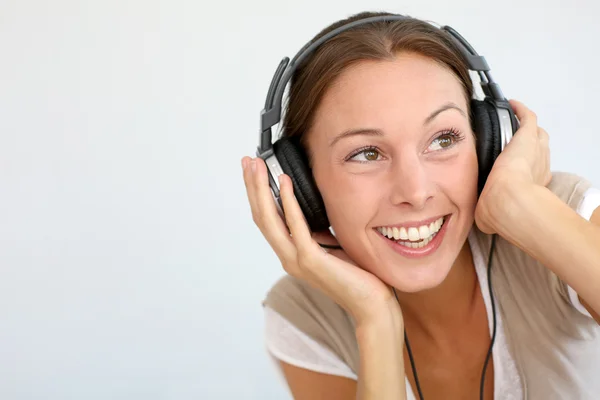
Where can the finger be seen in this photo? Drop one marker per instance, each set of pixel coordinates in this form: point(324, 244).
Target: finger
point(245, 161)
point(544, 139)
point(250, 175)
point(527, 118)
point(248, 182)
point(269, 221)
point(543, 136)
point(544, 146)
point(293, 215)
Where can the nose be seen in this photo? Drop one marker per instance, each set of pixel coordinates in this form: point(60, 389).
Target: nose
point(410, 182)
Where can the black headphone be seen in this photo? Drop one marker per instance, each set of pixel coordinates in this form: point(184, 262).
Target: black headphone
point(493, 119)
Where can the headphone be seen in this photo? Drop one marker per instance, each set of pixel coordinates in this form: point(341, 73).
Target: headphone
point(493, 120)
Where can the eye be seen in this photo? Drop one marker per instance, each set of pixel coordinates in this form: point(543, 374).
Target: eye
point(446, 140)
point(367, 154)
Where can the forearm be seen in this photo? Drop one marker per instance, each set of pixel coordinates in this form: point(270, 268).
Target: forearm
point(543, 226)
point(381, 345)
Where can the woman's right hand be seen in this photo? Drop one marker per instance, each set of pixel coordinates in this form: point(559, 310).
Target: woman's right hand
point(359, 292)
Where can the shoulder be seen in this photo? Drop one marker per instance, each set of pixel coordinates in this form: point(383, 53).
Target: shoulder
point(569, 187)
point(292, 292)
point(287, 343)
point(300, 303)
point(316, 315)
point(578, 192)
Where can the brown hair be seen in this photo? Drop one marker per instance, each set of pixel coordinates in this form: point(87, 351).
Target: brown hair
point(374, 41)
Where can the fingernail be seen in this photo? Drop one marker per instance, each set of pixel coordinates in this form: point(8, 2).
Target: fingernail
point(244, 162)
point(253, 165)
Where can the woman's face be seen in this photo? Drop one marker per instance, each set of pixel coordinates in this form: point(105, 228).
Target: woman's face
point(392, 147)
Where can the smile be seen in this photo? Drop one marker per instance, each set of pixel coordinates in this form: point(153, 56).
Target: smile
point(413, 236)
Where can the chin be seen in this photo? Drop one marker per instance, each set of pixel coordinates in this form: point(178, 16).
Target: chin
point(416, 278)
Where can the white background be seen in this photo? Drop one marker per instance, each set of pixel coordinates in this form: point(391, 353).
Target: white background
point(130, 267)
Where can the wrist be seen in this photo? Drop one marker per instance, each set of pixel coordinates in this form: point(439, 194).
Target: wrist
point(515, 208)
point(380, 341)
point(383, 335)
point(386, 317)
point(506, 199)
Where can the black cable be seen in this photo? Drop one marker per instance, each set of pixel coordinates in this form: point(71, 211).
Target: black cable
point(410, 356)
point(489, 354)
point(330, 246)
point(412, 365)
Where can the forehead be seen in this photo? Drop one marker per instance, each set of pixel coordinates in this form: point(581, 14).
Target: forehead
point(409, 86)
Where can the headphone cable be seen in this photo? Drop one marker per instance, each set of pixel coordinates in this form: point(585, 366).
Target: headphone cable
point(489, 353)
point(410, 357)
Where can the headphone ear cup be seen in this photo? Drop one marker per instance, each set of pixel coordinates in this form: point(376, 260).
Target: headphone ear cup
point(294, 163)
point(486, 126)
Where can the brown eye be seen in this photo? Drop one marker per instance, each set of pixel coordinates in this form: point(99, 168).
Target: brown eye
point(445, 141)
point(371, 155)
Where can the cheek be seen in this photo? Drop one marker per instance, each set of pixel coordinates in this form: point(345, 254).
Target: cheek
point(351, 201)
point(459, 179)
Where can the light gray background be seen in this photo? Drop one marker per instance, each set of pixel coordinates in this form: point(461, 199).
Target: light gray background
point(129, 264)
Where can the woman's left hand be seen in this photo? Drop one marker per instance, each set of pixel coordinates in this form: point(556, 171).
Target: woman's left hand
point(524, 163)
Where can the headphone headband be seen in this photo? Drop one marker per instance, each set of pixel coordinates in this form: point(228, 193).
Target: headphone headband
point(271, 114)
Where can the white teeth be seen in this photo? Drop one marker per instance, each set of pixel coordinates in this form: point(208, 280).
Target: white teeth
point(413, 234)
point(423, 232)
point(418, 245)
point(403, 234)
point(422, 235)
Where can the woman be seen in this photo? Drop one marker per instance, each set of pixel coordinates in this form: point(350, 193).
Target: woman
point(383, 113)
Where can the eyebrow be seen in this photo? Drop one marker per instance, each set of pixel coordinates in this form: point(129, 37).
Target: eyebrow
point(448, 106)
point(379, 132)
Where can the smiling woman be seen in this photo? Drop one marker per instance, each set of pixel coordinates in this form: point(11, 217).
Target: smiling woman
point(413, 189)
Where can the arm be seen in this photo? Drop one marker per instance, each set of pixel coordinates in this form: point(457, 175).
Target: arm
point(371, 302)
point(381, 348)
point(594, 312)
point(534, 219)
point(516, 204)
point(381, 374)
point(305, 384)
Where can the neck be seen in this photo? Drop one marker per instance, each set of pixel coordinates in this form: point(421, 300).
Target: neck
point(448, 306)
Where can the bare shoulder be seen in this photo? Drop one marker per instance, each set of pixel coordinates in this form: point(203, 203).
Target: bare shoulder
point(310, 385)
point(595, 219)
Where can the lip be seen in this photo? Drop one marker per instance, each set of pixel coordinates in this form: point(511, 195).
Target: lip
point(416, 224)
point(430, 248)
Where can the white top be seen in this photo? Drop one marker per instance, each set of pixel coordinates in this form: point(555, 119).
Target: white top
point(287, 343)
